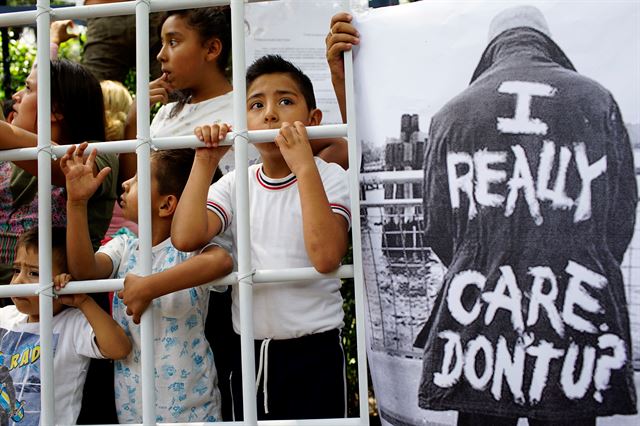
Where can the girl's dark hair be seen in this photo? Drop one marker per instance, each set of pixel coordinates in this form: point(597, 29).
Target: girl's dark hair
point(76, 95)
point(208, 22)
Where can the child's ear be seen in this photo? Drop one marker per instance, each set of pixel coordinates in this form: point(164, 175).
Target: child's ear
point(168, 205)
point(315, 117)
point(214, 49)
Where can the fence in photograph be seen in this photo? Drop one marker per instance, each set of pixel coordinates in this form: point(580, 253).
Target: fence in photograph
point(402, 275)
point(631, 276)
point(245, 276)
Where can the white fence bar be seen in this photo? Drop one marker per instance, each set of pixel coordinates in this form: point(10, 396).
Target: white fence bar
point(245, 281)
point(116, 147)
point(398, 176)
point(143, 153)
point(358, 278)
point(392, 202)
point(47, 405)
point(261, 276)
point(23, 18)
point(273, 275)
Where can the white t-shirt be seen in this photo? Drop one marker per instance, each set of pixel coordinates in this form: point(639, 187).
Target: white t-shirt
point(284, 310)
point(217, 110)
point(186, 377)
point(74, 344)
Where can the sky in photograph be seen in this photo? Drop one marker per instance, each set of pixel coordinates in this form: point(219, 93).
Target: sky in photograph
point(429, 49)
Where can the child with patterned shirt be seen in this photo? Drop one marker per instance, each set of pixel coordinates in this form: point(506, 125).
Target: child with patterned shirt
point(186, 379)
point(298, 219)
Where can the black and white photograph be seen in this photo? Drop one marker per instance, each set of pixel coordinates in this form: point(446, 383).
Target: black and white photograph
point(500, 159)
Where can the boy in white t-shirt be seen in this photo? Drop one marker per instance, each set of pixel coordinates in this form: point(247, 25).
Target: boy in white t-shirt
point(78, 335)
point(299, 219)
point(186, 379)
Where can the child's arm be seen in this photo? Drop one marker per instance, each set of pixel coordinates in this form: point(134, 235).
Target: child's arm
point(332, 151)
point(342, 36)
point(193, 225)
point(110, 337)
point(81, 184)
point(214, 262)
point(12, 137)
point(325, 232)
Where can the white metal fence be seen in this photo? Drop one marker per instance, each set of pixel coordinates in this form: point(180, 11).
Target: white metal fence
point(245, 276)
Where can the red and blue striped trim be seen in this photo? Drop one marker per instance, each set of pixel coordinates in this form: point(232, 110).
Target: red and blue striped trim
point(342, 210)
point(220, 212)
point(276, 184)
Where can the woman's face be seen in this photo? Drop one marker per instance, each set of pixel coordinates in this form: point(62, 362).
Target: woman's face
point(26, 105)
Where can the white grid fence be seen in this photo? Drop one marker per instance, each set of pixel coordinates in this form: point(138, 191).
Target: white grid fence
point(245, 276)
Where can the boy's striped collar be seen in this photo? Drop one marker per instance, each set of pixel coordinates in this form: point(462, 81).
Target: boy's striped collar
point(274, 184)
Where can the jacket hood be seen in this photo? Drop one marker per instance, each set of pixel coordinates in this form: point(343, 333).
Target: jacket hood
point(523, 41)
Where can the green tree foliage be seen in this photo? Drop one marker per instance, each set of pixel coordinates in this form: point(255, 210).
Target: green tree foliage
point(72, 49)
point(22, 57)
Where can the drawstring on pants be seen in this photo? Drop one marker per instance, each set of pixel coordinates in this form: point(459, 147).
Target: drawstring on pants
point(264, 362)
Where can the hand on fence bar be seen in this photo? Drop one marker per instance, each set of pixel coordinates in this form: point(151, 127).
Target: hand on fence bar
point(341, 38)
point(293, 143)
point(75, 300)
point(111, 339)
point(135, 296)
point(212, 136)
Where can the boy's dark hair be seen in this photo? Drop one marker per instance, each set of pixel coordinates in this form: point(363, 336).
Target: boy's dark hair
point(29, 240)
point(274, 64)
point(172, 168)
point(77, 96)
point(208, 22)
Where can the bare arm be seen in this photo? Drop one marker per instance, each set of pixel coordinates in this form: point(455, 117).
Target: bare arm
point(110, 337)
point(193, 225)
point(81, 184)
point(325, 233)
point(342, 36)
point(332, 151)
point(207, 266)
point(12, 137)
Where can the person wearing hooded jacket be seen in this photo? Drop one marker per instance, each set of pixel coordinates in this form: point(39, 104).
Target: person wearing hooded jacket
point(529, 199)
